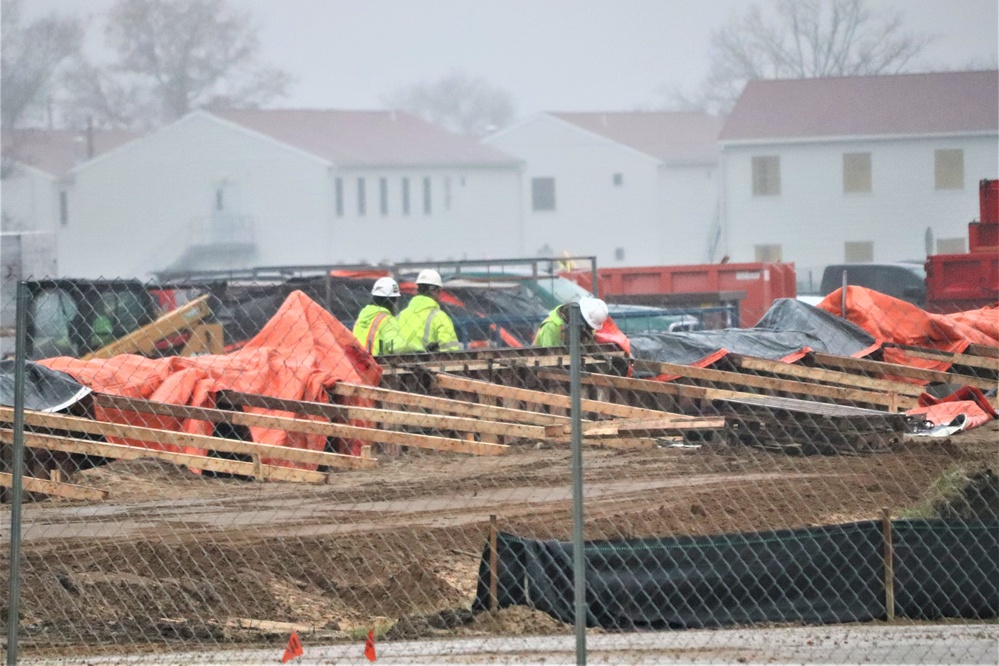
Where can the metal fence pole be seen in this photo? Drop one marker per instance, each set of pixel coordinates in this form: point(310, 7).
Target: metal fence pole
point(576, 406)
point(17, 468)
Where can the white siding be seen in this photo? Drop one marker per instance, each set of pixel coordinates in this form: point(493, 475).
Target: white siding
point(30, 200)
point(658, 214)
point(137, 209)
point(812, 217)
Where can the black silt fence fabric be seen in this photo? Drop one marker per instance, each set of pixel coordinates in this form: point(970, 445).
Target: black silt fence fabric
point(813, 576)
point(946, 569)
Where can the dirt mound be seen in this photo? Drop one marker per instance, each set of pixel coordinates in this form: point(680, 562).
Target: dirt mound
point(972, 496)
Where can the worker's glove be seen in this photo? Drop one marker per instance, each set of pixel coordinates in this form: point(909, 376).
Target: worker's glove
point(433, 346)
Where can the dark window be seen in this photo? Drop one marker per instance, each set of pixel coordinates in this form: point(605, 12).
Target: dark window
point(338, 193)
point(858, 251)
point(426, 196)
point(219, 199)
point(856, 173)
point(619, 179)
point(447, 193)
point(64, 208)
point(766, 176)
point(405, 196)
point(361, 198)
point(619, 254)
point(383, 195)
point(543, 193)
point(949, 169)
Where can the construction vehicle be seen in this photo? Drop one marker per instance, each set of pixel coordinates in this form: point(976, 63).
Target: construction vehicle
point(956, 282)
point(101, 318)
point(202, 337)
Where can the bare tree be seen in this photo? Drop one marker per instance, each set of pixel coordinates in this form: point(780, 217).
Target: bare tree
point(457, 102)
point(810, 38)
point(173, 56)
point(30, 56)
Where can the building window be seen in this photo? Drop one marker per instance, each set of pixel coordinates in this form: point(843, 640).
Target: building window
point(405, 196)
point(447, 193)
point(383, 195)
point(766, 175)
point(950, 246)
point(543, 193)
point(619, 254)
point(338, 195)
point(949, 169)
point(64, 208)
point(426, 196)
point(856, 172)
point(219, 198)
point(858, 251)
point(768, 253)
point(618, 179)
point(362, 199)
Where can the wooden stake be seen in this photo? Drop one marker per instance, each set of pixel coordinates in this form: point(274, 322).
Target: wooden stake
point(493, 565)
point(889, 565)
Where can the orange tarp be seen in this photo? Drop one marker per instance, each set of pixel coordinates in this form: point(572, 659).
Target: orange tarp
point(891, 320)
point(302, 351)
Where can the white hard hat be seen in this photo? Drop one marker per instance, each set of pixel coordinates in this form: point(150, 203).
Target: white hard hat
point(429, 276)
point(386, 287)
point(594, 311)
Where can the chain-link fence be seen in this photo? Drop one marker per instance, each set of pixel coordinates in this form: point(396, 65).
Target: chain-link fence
point(214, 464)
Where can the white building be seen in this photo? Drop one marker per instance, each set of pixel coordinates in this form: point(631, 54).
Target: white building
point(37, 165)
point(245, 188)
point(633, 188)
point(868, 169)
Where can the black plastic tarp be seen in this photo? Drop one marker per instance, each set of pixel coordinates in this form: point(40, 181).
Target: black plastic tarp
point(44, 389)
point(815, 576)
point(788, 327)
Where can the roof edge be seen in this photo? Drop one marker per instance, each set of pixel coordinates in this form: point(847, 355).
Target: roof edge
point(842, 138)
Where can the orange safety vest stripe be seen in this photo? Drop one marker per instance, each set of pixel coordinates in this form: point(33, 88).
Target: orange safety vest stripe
point(373, 330)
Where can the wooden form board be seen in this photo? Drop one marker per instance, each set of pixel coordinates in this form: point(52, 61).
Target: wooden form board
point(824, 375)
point(46, 487)
point(453, 383)
point(444, 365)
point(982, 350)
point(306, 426)
point(446, 405)
point(895, 370)
point(848, 395)
point(64, 423)
point(122, 452)
point(957, 359)
point(650, 427)
point(412, 419)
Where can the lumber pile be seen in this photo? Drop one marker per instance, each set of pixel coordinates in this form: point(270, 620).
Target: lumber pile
point(486, 402)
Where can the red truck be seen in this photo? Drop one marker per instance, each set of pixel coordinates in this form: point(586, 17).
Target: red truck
point(956, 282)
point(752, 286)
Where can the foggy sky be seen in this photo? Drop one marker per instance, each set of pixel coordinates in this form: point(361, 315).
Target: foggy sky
point(550, 55)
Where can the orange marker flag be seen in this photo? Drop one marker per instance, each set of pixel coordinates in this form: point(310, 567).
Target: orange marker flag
point(294, 648)
point(369, 646)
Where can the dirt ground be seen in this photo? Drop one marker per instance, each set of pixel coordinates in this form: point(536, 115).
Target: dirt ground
point(172, 560)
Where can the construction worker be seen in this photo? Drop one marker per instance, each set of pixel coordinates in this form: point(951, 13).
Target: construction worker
point(423, 325)
point(554, 331)
point(376, 327)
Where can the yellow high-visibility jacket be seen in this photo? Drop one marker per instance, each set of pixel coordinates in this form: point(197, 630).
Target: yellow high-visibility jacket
point(423, 323)
point(378, 330)
point(552, 331)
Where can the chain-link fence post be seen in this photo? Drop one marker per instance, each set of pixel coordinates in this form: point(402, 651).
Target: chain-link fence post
point(576, 407)
point(16, 471)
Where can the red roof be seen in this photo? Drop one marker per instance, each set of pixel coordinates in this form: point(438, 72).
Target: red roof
point(899, 104)
point(58, 151)
point(671, 136)
point(368, 138)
